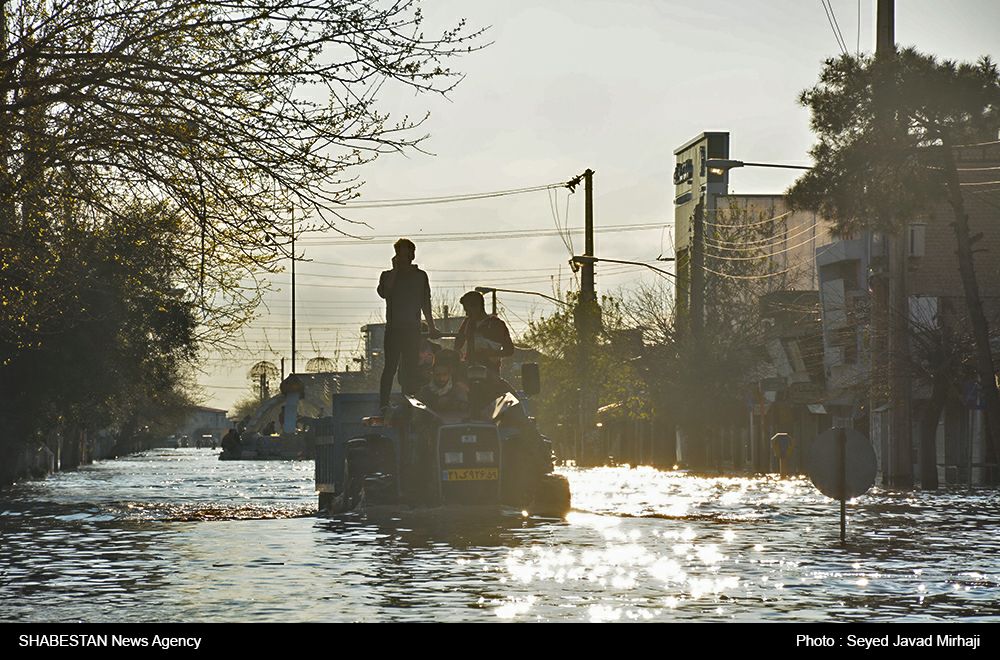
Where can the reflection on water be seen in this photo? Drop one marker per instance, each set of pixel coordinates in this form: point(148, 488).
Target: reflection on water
point(175, 535)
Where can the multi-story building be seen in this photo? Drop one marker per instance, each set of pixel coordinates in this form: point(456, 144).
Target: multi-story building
point(756, 249)
point(854, 285)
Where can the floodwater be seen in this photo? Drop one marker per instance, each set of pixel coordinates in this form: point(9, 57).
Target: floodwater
point(176, 535)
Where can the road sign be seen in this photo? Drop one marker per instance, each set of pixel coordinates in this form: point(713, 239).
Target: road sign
point(842, 466)
point(827, 457)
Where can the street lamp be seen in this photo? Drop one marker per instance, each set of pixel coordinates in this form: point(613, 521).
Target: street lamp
point(493, 290)
point(720, 166)
point(580, 260)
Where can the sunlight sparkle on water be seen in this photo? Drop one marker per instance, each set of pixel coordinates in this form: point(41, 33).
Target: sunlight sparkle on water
point(603, 613)
point(640, 544)
point(515, 607)
point(709, 554)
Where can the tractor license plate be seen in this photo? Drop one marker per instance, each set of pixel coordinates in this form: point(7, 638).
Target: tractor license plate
point(472, 474)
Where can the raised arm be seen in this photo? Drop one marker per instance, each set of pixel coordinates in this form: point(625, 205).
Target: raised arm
point(386, 282)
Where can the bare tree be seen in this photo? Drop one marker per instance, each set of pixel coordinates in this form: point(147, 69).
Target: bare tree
point(231, 112)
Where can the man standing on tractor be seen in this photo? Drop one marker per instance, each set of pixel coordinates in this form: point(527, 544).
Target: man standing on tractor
point(407, 293)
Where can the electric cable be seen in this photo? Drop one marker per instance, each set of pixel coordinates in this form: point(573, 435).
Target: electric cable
point(767, 255)
point(747, 225)
point(836, 33)
point(472, 236)
point(746, 246)
point(446, 199)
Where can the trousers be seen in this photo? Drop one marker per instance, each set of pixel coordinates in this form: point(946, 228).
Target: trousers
point(402, 352)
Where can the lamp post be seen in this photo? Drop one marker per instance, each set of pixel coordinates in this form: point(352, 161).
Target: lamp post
point(580, 260)
point(719, 166)
point(723, 165)
point(493, 290)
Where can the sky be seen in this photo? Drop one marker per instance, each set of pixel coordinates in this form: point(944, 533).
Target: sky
point(610, 85)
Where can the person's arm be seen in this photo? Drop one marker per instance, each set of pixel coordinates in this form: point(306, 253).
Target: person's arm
point(386, 282)
point(506, 343)
point(461, 336)
point(425, 305)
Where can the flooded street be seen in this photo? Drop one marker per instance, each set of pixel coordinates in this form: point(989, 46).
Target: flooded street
point(176, 535)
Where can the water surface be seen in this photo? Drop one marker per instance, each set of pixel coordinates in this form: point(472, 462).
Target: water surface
point(176, 535)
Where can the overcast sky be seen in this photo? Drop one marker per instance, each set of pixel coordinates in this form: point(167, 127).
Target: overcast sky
point(614, 86)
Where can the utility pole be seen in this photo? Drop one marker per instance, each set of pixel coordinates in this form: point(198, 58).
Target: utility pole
point(587, 292)
point(293, 292)
point(900, 461)
point(587, 320)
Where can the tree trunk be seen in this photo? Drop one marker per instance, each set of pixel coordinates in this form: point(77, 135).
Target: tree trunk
point(980, 329)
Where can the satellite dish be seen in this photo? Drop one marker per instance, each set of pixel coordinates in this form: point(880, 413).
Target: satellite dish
point(265, 369)
point(320, 365)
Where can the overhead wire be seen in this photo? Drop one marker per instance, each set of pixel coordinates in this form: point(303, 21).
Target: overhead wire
point(447, 199)
point(760, 276)
point(747, 225)
point(569, 234)
point(766, 255)
point(858, 47)
point(513, 279)
point(831, 19)
point(976, 144)
point(435, 270)
point(446, 237)
point(554, 210)
point(964, 169)
point(811, 259)
point(757, 244)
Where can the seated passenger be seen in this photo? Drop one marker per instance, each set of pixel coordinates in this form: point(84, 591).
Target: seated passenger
point(445, 394)
point(484, 339)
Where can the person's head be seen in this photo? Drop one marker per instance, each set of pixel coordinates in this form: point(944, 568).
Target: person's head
point(406, 251)
point(444, 366)
point(474, 304)
point(442, 374)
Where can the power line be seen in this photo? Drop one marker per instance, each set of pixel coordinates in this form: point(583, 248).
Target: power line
point(448, 199)
point(964, 169)
point(762, 276)
point(981, 183)
point(435, 270)
point(747, 225)
point(514, 279)
point(976, 144)
point(767, 255)
point(475, 236)
point(859, 29)
point(745, 246)
point(832, 20)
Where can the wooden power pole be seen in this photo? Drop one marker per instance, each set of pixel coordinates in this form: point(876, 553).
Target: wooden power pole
point(900, 463)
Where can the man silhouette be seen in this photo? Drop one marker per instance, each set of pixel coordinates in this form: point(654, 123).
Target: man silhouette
point(407, 293)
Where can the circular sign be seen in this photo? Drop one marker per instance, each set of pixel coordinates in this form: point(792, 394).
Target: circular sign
point(839, 449)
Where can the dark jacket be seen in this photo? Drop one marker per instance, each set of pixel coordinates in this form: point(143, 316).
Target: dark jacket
point(407, 296)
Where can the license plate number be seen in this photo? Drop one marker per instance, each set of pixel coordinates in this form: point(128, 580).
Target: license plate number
point(472, 474)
